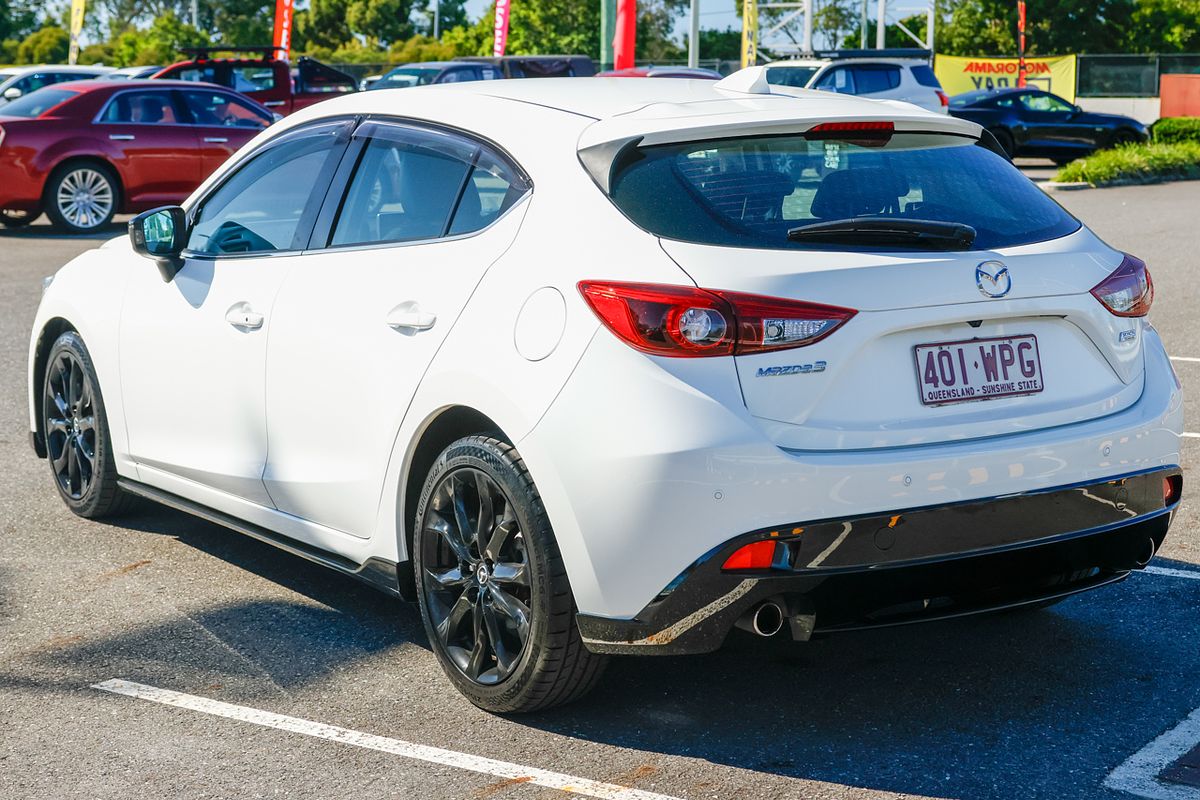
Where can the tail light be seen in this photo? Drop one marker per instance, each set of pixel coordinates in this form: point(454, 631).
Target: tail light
point(1172, 489)
point(1129, 291)
point(686, 322)
point(943, 99)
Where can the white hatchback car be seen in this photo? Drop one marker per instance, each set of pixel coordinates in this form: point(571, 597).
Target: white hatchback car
point(612, 366)
point(874, 77)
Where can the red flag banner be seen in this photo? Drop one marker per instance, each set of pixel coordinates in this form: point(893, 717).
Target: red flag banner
point(501, 39)
point(625, 40)
point(283, 28)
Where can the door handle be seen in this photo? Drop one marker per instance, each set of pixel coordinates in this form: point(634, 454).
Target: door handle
point(273, 103)
point(410, 317)
point(121, 137)
point(242, 316)
point(216, 139)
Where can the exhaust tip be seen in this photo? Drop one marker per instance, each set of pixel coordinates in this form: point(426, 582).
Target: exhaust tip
point(1147, 553)
point(768, 619)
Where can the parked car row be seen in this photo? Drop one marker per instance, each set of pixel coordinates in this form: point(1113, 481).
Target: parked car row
point(84, 143)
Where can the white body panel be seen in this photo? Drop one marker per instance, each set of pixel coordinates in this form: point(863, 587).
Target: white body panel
point(644, 463)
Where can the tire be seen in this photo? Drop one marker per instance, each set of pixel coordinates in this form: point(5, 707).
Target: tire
point(1005, 140)
point(78, 445)
point(81, 197)
point(511, 590)
point(1122, 138)
point(11, 218)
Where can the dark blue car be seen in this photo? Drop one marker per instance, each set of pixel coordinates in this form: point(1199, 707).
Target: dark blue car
point(1031, 122)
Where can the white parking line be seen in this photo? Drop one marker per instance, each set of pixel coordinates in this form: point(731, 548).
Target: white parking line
point(1185, 358)
point(1173, 573)
point(1138, 775)
point(433, 755)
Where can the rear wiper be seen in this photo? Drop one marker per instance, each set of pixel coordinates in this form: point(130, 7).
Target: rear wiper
point(923, 233)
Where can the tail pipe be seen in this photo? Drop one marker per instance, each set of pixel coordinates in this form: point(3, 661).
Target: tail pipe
point(765, 619)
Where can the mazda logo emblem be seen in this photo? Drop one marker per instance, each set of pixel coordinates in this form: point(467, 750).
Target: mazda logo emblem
point(993, 279)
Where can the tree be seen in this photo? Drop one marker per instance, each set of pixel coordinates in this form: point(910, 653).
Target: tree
point(655, 23)
point(323, 24)
point(382, 20)
point(536, 27)
point(1164, 26)
point(47, 45)
point(725, 45)
point(18, 18)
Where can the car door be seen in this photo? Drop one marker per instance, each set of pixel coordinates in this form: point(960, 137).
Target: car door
point(1050, 122)
point(151, 146)
point(222, 123)
point(193, 351)
point(360, 317)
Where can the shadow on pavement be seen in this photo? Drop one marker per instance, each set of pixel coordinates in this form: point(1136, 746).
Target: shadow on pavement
point(43, 230)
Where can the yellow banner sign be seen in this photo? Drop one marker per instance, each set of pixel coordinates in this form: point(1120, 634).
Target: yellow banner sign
point(958, 74)
point(749, 33)
point(76, 29)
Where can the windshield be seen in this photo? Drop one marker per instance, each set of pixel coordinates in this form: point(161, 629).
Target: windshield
point(968, 99)
point(750, 192)
point(407, 76)
point(37, 103)
point(790, 76)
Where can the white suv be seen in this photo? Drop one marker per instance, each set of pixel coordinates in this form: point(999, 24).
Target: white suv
point(908, 79)
point(19, 81)
point(614, 366)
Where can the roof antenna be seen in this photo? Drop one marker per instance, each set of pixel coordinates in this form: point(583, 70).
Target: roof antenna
point(751, 80)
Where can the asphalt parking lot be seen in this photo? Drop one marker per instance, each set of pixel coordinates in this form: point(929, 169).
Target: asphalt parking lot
point(1066, 703)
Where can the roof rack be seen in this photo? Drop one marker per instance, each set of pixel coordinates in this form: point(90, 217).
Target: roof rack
point(265, 50)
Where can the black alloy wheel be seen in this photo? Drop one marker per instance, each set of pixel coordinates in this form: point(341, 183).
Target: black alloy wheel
point(70, 425)
point(76, 432)
point(476, 575)
point(492, 585)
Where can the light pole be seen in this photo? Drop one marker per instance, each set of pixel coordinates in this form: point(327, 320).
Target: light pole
point(694, 37)
point(436, 9)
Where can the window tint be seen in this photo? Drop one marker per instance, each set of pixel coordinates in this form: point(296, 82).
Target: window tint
point(199, 74)
point(491, 74)
point(873, 78)
point(836, 80)
point(36, 104)
point(790, 76)
point(142, 108)
point(492, 189)
point(749, 192)
point(1045, 103)
point(405, 187)
point(460, 75)
point(225, 110)
point(925, 76)
point(261, 206)
point(253, 79)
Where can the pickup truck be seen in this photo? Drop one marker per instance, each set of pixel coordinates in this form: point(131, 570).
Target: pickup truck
point(271, 81)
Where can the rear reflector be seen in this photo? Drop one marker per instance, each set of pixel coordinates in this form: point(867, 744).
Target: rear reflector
point(943, 99)
point(687, 322)
point(1172, 489)
point(756, 555)
point(1129, 291)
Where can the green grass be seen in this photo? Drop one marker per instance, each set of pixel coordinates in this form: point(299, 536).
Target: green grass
point(1135, 163)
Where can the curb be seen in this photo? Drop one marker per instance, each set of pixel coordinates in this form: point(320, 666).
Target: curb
point(1074, 186)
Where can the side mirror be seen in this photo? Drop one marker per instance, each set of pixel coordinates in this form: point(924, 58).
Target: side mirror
point(160, 235)
point(12, 93)
point(276, 117)
point(1078, 109)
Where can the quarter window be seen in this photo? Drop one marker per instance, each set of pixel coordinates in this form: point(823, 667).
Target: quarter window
point(267, 203)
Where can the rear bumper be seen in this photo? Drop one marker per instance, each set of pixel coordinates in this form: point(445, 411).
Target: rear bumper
point(909, 566)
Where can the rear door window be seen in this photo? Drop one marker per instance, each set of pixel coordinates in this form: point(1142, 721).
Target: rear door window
point(838, 79)
point(219, 109)
point(140, 108)
point(875, 78)
point(749, 192)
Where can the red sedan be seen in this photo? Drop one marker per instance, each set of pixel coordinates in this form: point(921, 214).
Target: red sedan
point(86, 150)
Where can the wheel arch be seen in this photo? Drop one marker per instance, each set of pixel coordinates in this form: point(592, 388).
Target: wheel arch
point(47, 336)
point(445, 426)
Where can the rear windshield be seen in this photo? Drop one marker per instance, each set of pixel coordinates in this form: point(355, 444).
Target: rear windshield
point(36, 103)
point(749, 192)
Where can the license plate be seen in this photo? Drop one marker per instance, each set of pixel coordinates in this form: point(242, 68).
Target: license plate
point(978, 369)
